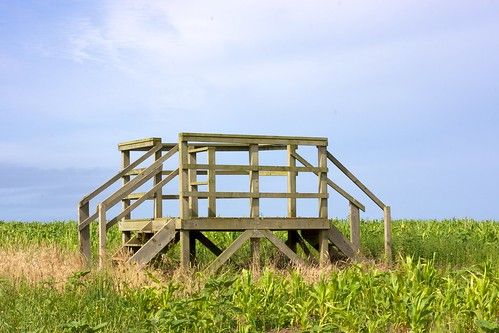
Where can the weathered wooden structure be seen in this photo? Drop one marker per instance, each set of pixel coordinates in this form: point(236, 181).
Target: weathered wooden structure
point(145, 238)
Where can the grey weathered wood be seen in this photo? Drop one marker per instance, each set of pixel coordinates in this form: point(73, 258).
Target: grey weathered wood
point(229, 251)
point(244, 223)
point(139, 144)
point(282, 247)
point(84, 233)
point(323, 207)
point(125, 162)
point(333, 185)
point(354, 179)
point(212, 202)
point(292, 234)
point(228, 195)
point(158, 199)
point(120, 174)
point(101, 209)
point(251, 139)
point(254, 201)
point(354, 218)
point(185, 241)
point(155, 244)
point(185, 249)
point(193, 186)
point(388, 233)
point(336, 237)
point(142, 198)
point(247, 168)
point(139, 224)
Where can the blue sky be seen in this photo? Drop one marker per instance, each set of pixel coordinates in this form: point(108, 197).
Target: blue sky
point(406, 91)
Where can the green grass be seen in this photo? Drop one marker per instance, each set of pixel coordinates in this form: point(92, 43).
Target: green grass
point(445, 279)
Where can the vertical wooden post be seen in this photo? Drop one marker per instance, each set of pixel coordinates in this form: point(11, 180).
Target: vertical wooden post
point(388, 233)
point(254, 200)
point(125, 161)
point(158, 199)
point(185, 242)
point(292, 234)
point(354, 218)
point(84, 234)
point(212, 202)
point(101, 209)
point(193, 204)
point(323, 213)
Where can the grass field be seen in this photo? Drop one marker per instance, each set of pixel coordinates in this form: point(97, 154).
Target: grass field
point(445, 278)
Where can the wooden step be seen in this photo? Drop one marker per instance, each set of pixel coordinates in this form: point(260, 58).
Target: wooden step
point(154, 245)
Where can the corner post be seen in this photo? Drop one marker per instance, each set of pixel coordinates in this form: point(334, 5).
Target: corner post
point(125, 161)
point(185, 242)
point(84, 234)
point(212, 200)
point(193, 203)
point(388, 233)
point(354, 218)
point(254, 200)
point(292, 234)
point(101, 209)
point(323, 213)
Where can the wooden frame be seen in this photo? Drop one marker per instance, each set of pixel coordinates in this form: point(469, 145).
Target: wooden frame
point(145, 238)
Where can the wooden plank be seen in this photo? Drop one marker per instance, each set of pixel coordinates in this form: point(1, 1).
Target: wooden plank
point(138, 195)
point(120, 174)
point(388, 233)
point(354, 219)
point(208, 243)
point(140, 224)
point(197, 183)
point(226, 223)
point(337, 238)
point(242, 195)
point(145, 196)
point(211, 194)
point(323, 207)
point(292, 234)
point(193, 185)
point(84, 233)
point(218, 172)
point(252, 139)
point(101, 209)
point(254, 202)
point(229, 251)
point(139, 180)
point(256, 168)
point(158, 198)
point(125, 162)
point(154, 245)
point(336, 187)
point(282, 247)
point(88, 220)
point(185, 249)
point(354, 179)
point(140, 143)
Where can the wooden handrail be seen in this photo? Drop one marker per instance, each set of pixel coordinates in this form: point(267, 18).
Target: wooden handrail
point(335, 186)
point(119, 175)
point(144, 197)
point(355, 180)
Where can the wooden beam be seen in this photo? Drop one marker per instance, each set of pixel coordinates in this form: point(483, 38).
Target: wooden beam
point(323, 207)
point(354, 179)
point(336, 187)
point(388, 233)
point(354, 219)
point(140, 143)
point(292, 234)
point(193, 185)
point(229, 251)
point(185, 242)
point(242, 195)
point(241, 168)
point(244, 223)
point(154, 245)
point(101, 209)
point(84, 233)
point(282, 247)
point(158, 198)
point(208, 243)
point(254, 202)
point(125, 162)
point(252, 139)
point(336, 237)
point(211, 194)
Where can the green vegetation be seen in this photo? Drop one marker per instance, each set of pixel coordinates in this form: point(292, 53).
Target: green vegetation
point(445, 279)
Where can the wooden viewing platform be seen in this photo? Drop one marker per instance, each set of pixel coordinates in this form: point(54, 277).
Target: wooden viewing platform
point(144, 239)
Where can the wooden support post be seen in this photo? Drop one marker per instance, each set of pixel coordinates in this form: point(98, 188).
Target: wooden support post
point(101, 210)
point(354, 218)
point(158, 199)
point(323, 213)
point(185, 243)
point(388, 234)
point(125, 162)
point(193, 187)
point(84, 234)
point(292, 234)
point(254, 201)
point(212, 202)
